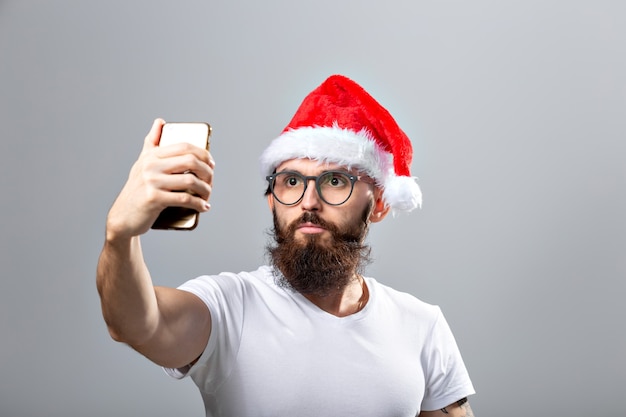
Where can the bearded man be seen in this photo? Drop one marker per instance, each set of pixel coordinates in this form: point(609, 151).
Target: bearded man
point(307, 334)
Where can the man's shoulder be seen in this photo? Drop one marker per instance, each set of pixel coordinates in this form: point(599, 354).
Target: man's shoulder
point(262, 273)
point(231, 281)
point(229, 288)
point(403, 300)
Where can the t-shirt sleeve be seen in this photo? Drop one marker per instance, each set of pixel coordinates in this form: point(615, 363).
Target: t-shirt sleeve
point(447, 379)
point(223, 295)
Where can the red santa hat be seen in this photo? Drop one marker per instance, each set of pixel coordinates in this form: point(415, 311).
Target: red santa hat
point(340, 122)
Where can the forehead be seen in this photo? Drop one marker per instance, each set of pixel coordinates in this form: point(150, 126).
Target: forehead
point(306, 165)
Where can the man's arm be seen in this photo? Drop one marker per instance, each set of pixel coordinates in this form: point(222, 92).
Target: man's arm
point(453, 410)
point(169, 326)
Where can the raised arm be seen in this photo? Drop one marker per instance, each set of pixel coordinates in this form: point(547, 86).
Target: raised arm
point(169, 326)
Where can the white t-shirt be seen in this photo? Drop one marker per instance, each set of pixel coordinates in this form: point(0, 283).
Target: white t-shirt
point(274, 353)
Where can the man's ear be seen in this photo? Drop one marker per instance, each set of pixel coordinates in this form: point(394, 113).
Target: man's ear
point(270, 201)
point(380, 209)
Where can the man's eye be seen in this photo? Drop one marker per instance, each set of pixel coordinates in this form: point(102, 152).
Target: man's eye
point(335, 180)
point(291, 181)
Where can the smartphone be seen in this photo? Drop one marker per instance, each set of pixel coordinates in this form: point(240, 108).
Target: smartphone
point(198, 134)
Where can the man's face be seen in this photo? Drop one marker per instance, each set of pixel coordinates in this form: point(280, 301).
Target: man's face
point(344, 215)
point(319, 247)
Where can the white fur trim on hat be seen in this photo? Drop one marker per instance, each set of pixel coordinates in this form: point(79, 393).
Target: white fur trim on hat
point(347, 148)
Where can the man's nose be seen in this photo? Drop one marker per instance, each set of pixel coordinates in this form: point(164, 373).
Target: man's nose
point(311, 199)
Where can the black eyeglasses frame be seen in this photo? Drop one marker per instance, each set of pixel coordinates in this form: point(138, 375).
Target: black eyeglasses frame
point(316, 178)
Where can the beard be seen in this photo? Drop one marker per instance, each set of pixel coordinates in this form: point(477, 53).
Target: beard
point(319, 265)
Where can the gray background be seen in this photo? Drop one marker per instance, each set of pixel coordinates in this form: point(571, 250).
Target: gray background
point(517, 114)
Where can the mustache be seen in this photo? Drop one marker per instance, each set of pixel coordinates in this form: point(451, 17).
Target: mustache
point(313, 218)
point(284, 234)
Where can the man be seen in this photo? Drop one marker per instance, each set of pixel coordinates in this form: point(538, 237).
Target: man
point(306, 335)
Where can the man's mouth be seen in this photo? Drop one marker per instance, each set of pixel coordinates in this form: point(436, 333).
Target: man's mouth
point(310, 228)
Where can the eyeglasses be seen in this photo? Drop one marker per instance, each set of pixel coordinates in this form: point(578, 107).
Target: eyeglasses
point(333, 187)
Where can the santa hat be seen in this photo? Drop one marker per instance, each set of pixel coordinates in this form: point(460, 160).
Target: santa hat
point(340, 122)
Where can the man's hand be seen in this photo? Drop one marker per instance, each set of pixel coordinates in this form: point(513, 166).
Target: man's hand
point(153, 180)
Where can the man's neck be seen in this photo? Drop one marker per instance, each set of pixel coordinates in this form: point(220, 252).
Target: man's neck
point(349, 300)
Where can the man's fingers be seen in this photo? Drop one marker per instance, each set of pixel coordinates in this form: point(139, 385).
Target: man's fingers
point(183, 148)
point(186, 182)
point(181, 199)
point(180, 164)
point(154, 136)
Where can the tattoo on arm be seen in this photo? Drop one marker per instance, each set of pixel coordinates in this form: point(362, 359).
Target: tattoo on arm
point(464, 405)
point(468, 411)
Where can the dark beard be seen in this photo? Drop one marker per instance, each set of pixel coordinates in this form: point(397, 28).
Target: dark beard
point(319, 266)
